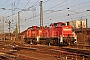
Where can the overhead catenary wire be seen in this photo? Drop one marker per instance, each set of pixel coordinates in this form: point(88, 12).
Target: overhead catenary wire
point(56, 5)
point(4, 3)
point(28, 8)
point(14, 14)
point(6, 7)
point(27, 3)
point(80, 4)
point(66, 8)
point(38, 15)
point(46, 1)
point(22, 9)
point(48, 9)
point(52, 7)
point(73, 13)
point(34, 5)
point(17, 3)
point(33, 17)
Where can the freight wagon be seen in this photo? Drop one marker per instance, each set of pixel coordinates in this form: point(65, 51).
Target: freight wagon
point(76, 24)
point(56, 34)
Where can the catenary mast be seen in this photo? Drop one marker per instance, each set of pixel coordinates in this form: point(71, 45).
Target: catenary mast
point(41, 14)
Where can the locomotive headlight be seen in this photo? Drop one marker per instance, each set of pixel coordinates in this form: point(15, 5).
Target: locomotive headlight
point(39, 36)
point(66, 27)
point(40, 31)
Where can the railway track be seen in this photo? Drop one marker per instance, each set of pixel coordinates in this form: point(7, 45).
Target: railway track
point(6, 56)
point(13, 56)
point(39, 52)
point(59, 52)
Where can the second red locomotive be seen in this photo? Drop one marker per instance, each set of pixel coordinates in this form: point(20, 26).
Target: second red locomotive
point(57, 34)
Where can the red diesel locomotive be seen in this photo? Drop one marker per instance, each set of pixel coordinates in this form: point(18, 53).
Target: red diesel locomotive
point(57, 34)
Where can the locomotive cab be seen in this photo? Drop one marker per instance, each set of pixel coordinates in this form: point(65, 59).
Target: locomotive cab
point(59, 24)
point(62, 34)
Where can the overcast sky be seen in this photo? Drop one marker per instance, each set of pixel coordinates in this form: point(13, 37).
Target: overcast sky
point(53, 11)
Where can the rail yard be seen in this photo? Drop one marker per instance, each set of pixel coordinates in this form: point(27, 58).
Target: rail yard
point(58, 40)
point(32, 48)
point(13, 51)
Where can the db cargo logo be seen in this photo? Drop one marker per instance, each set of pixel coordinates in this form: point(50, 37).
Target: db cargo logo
point(66, 29)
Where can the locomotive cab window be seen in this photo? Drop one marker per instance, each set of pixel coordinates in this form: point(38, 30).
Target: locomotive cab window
point(55, 24)
point(62, 24)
